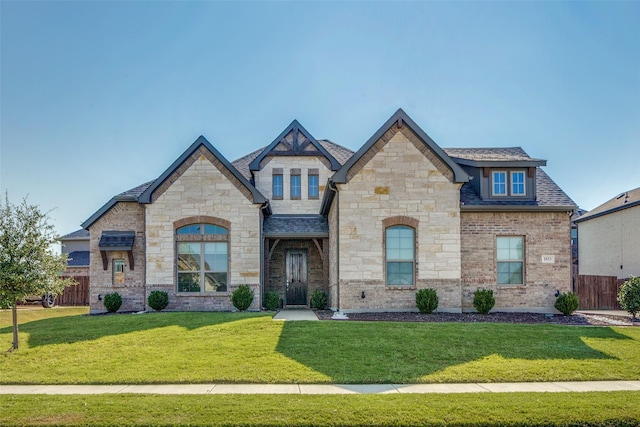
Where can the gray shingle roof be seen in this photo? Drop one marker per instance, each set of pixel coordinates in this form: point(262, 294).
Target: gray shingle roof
point(81, 234)
point(624, 200)
point(117, 240)
point(283, 226)
point(490, 154)
point(136, 191)
point(548, 195)
point(78, 259)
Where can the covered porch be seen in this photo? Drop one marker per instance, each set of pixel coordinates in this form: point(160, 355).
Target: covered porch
point(296, 251)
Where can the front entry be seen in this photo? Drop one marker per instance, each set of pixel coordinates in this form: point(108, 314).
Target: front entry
point(296, 284)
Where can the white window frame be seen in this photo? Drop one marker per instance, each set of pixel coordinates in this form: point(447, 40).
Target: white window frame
point(511, 261)
point(506, 183)
point(524, 183)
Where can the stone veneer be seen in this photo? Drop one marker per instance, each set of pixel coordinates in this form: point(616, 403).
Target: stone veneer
point(304, 205)
point(399, 180)
point(545, 233)
point(202, 189)
point(124, 216)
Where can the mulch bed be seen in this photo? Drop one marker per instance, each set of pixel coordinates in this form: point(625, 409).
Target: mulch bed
point(579, 319)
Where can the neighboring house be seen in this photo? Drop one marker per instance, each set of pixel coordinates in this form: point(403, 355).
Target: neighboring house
point(369, 228)
point(76, 246)
point(609, 236)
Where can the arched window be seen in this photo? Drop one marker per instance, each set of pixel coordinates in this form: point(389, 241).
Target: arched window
point(400, 243)
point(202, 258)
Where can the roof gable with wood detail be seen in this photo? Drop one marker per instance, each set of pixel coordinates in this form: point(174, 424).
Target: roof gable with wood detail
point(295, 140)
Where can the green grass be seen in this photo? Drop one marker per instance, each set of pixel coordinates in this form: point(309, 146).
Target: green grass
point(513, 409)
point(67, 348)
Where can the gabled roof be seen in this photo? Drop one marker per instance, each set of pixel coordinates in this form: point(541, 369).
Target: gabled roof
point(622, 201)
point(487, 157)
point(145, 197)
point(400, 118)
point(131, 195)
point(297, 146)
point(81, 234)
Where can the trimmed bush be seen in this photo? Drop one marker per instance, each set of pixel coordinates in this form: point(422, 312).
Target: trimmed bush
point(272, 301)
point(483, 300)
point(427, 300)
point(629, 296)
point(566, 303)
point(158, 300)
point(242, 297)
point(319, 300)
point(112, 302)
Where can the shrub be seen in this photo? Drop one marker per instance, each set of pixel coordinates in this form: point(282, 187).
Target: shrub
point(272, 300)
point(158, 300)
point(483, 300)
point(242, 297)
point(566, 303)
point(319, 300)
point(112, 302)
point(427, 300)
point(629, 296)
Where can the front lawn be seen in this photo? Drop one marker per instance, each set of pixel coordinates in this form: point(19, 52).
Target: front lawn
point(511, 409)
point(68, 348)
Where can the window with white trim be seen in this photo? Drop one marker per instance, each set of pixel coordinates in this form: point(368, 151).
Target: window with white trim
point(400, 255)
point(499, 183)
point(202, 258)
point(510, 258)
point(518, 186)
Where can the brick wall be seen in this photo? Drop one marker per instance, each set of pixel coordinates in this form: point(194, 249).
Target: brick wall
point(124, 216)
point(545, 233)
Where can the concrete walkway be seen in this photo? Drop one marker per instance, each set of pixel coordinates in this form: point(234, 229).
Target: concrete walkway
point(295, 314)
point(554, 387)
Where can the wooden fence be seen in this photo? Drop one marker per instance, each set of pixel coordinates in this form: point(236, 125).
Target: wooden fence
point(75, 295)
point(598, 292)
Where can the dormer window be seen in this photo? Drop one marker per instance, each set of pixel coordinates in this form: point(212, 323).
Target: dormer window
point(518, 187)
point(499, 183)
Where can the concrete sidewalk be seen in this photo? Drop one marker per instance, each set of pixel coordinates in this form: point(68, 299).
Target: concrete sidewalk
point(554, 387)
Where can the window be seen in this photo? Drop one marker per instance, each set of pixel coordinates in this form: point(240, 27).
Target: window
point(277, 185)
point(517, 183)
point(118, 272)
point(202, 258)
point(400, 255)
point(499, 183)
point(295, 186)
point(510, 256)
point(314, 192)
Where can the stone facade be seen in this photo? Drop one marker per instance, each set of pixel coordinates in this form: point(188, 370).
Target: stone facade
point(398, 181)
point(303, 164)
point(124, 216)
point(203, 190)
point(545, 234)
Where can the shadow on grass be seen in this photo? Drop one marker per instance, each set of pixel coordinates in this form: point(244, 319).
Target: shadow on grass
point(405, 352)
point(72, 329)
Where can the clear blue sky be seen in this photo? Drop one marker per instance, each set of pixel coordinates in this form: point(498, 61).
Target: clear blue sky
point(98, 97)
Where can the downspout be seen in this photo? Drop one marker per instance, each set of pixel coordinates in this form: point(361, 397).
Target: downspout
point(265, 206)
point(338, 314)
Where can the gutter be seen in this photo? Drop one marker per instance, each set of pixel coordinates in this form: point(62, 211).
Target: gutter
point(338, 314)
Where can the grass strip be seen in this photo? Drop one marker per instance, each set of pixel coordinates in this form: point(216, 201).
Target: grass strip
point(509, 409)
point(251, 348)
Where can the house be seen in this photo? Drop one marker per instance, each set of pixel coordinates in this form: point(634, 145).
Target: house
point(369, 228)
point(76, 246)
point(609, 236)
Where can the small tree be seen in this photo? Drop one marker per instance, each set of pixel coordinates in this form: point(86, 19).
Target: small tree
point(28, 266)
point(629, 296)
point(242, 297)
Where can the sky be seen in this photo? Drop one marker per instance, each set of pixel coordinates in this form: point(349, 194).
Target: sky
point(99, 97)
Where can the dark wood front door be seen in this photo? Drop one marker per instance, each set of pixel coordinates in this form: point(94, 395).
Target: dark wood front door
point(296, 265)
